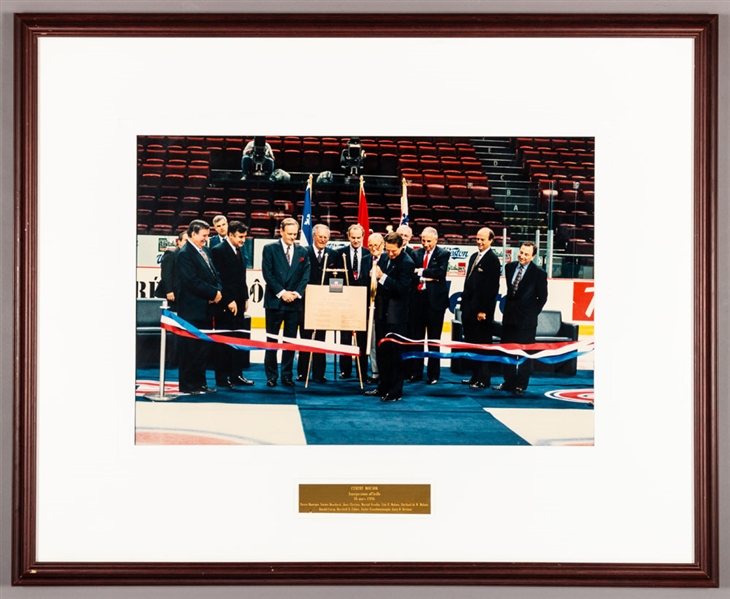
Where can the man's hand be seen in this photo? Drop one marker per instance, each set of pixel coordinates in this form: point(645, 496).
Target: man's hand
point(481, 316)
point(170, 296)
point(233, 308)
point(218, 297)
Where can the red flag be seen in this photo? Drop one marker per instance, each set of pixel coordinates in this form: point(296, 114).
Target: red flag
point(362, 214)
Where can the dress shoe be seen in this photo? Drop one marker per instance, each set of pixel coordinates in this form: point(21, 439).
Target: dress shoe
point(301, 378)
point(242, 381)
point(271, 383)
point(389, 397)
point(414, 378)
point(343, 376)
point(372, 380)
point(206, 389)
point(287, 382)
point(518, 391)
point(467, 381)
point(224, 385)
point(320, 379)
point(502, 387)
point(477, 385)
point(373, 393)
point(433, 381)
point(194, 392)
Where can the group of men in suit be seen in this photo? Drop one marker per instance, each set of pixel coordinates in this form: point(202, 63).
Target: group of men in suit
point(207, 282)
point(206, 279)
point(526, 296)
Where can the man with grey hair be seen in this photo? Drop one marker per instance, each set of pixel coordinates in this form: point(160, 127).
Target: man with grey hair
point(406, 234)
point(376, 244)
point(220, 224)
point(428, 303)
point(321, 258)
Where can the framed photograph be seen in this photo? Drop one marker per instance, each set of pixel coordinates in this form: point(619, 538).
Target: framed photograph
point(131, 127)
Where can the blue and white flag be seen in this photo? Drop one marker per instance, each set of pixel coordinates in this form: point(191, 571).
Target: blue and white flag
point(404, 204)
point(306, 236)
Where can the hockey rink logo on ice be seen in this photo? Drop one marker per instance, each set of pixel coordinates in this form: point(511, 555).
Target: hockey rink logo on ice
point(574, 395)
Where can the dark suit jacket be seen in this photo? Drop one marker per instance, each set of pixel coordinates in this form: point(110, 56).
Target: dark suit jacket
point(279, 276)
point(214, 241)
point(365, 266)
point(169, 281)
point(330, 259)
point(437, 290)
point(199, 284)
point(521, 311)
point(391, 301)
point(481, 287)
point(232, 271)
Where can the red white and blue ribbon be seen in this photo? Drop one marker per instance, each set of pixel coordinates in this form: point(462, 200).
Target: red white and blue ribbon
point(173, 323)
point(504, 353)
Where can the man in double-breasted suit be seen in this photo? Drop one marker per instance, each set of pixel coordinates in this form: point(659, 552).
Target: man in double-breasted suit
point(478, 300)
point(230, 262)
point(285, 268)
point(358, 261)
point(199, 292)
point(527, 292)
point(429, 302)
point(394, 277)
point(321, 258)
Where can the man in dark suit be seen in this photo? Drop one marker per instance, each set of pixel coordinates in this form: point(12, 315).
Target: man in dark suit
point(169, 281)
point(429, 302)
point(220, 224)
point(200, 291)
point(527, 292)
point(478, 300)
point(394, 277)
point(358, 261)
point(285, 268)
point(230, 262)
point(321, 258)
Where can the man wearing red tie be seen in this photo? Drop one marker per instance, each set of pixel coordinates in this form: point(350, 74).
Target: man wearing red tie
point(358, 262)
point(285, 267)
point(478, 300)
point(526, 295)
point(428, 303)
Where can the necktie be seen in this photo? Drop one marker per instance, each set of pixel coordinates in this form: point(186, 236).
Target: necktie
point(518, 278)
point(422, 284)
point(207, 260)
point(474, 265)
point(288, 254)
point(319, 256)
point(355, 265)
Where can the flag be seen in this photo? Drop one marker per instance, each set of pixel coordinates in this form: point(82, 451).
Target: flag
point(306, 237)
point(404, 203)
point(362, 213)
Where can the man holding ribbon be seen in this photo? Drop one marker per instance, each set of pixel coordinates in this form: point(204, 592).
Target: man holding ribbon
point(527, 293)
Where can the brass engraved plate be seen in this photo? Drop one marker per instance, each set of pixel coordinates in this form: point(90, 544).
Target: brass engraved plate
point(365, 499)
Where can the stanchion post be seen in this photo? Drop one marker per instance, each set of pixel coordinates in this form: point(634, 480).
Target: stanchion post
point(161, 395)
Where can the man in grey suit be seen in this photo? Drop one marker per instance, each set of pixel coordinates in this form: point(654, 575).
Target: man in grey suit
point(285, 268)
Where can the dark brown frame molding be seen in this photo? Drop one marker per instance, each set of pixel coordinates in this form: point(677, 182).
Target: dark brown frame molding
point(702, 29)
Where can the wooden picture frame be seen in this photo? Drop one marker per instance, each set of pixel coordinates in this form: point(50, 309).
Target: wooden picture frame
point(28, 569)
